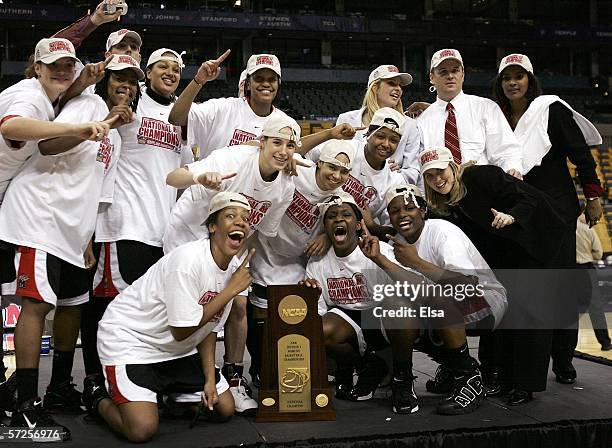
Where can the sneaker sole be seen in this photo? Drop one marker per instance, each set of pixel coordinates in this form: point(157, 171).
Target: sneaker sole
point(461, 411)
point(365, 397)
point(410, 411)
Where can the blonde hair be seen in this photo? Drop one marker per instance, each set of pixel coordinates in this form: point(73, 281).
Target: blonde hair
point(443, 202)
point(370, 103)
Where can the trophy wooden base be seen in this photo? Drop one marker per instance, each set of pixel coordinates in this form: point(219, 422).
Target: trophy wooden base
point(272, 414)
point(294, 384)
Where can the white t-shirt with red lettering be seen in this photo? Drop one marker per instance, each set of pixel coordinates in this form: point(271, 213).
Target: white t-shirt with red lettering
point(268, 200)
point(368, 185)
point(222, 122)
point(52, 203)
point(151, 148)
point(135, 328)
point(27, 98)
point(280, 260)
point(348, 282)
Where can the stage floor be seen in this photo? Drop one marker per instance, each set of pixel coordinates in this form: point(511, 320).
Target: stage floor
point(553, 415)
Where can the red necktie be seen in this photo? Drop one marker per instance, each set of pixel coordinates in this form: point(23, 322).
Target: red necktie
point(451, 136)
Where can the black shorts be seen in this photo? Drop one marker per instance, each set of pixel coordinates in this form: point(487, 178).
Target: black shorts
point(7, 262)
point(142, 382)
point(44, 277)
point(122, 263)
point(368, 339)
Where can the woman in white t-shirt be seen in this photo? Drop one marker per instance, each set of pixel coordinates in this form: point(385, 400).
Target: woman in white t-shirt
point(281, 260)
point(257, 173)
point(60, 187)
point(158, 336)
point(351, 276)
point(26, 116)
point(371, 174)
point(445, 255)
point(131, 227)
point(385, 88)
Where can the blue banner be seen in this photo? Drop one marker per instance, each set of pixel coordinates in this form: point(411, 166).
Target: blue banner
point(198, 19)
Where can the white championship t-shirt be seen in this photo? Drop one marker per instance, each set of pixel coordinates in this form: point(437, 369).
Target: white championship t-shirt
point(407, 153)
point(348, 282)
point(280, 260)
point(222, 122)
point(268, 200)
point(51, 204)
point(135, 328)
point(445, 245)
point(368, 186)
point(27, 99)
point(484, 133)
point(150, 149)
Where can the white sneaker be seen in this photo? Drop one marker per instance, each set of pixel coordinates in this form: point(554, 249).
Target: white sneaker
point(244, 404)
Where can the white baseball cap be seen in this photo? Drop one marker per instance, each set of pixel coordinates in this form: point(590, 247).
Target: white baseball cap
point(386, 117)
point(436, 157)
point(122, 61)
point(259, 61)
point(227, 199)
point(334, 148)
point(117, 36)
point(337, 199)
point(273, 125)
point(516, 59)
point(241, 82)
point(387, 72)
point(407, 191)
point(50, 50)
point(161, 54)
point(444, 54)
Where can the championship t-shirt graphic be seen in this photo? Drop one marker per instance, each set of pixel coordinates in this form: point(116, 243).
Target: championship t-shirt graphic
point(159, 133)
point(258, 210)
point(348, 290)
point(105, 151)
point(206, 298)
point(241, 137)
point(363, 195)
point(302, 212)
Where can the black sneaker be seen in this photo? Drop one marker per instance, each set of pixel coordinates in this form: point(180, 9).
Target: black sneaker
point(31, 414)
point(94, 391)
point(443, 381)
point(8, 396)
point(403, 395)
point(255, 379)
point(63, 397)
point(369, 377)
point(467, 395)
point(344, 383)
point(491, 382)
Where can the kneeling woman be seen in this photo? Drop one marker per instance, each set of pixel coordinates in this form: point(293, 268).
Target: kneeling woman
point(443, 253)
point(158, 336)
point(348, 279)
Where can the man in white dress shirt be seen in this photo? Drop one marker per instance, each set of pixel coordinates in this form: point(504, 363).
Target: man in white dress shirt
point(474, 128)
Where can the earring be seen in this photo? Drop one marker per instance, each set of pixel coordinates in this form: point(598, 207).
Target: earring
point(432, 89)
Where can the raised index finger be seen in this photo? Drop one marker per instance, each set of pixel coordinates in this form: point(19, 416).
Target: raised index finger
point(228, 176)
point(364, 228)
point(107, 60)
point(246, 260)
point(360, 128)
point(222, 58)
point(395, 239)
